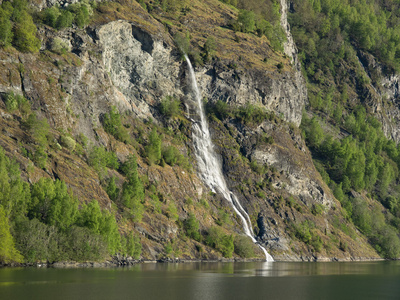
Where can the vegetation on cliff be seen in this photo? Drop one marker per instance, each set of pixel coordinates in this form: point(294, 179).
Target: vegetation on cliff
point(346, 139)
point(138, 191)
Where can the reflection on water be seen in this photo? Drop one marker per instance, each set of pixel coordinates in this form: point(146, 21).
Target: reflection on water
point(252, 280)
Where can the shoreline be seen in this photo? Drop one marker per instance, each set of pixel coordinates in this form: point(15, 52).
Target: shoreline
point(122, 263)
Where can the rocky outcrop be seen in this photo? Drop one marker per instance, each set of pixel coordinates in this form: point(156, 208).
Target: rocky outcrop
point(146, 69)
point(382, 95)
point(290, 50)
point(142, 67)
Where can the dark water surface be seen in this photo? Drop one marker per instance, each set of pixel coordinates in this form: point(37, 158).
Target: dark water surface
point(255, 280)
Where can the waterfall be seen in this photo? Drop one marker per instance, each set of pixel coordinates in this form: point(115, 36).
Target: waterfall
point(208, 163)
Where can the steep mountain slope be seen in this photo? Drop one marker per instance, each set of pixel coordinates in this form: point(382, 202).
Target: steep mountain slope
point(119, 85)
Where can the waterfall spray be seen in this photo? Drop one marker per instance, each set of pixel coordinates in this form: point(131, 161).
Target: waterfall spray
point(209, 166)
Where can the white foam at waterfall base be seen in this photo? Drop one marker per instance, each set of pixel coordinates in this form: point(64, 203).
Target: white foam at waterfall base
point(209, 165)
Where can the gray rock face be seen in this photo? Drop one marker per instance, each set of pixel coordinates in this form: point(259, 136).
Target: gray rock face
point(291, 51)
point(294, 162)
point(279, 93)
point(42, 4)
point(142, 68)
point(390, 118)
point(270, 235)
point(145, 70)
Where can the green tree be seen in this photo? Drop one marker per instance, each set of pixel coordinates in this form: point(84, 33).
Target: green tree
point(153, 148)
point(192, 227)
point(217, 239)
point(112, 124)
point(112, 190)
point(246, 20)
point(51, 15)
point(109, 231)
point(64, 19)
point(64, 207)
point(91, 216)
point(132, 189)
point(315, 133)
point(8, 252)
point(38, 128)
point(53, 204)
point(133, 245)
point(14, 193)
point(244, 246)
point(99, 158)
point(25, 38)
point(6, 34)
point(37, 241)
point(82, 12)
point(169, 107)
point(210, 48)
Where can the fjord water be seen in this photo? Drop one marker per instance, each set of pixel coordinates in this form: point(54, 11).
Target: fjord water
point(253, 280)
point(208, 163)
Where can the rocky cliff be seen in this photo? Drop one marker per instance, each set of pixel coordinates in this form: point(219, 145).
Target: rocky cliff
point(127, 58)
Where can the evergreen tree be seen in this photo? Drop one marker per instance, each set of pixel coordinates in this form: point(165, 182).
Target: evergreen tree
point(154, 147)
point(112, 189)
point(132, 190)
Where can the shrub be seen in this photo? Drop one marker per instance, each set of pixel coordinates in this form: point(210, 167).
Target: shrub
point(256, 167)
point(169, 107)
point(246, 21)
point(64, 20)
point(317, 209)
point(210, 48)
point(183, 43)
point(316, 243)
point(192, 227)
point(68, 142)
point(11, 102)
point(217, 239)
point(251, 114)
point(77, 13)
point(172, 211)
point(14, 102)
point(38, 128)
point(82, 16)
point(244, 246)
point(303, 232)
point(221, 109)
point(112, 124)
point(59, 45)
point(172, 156)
